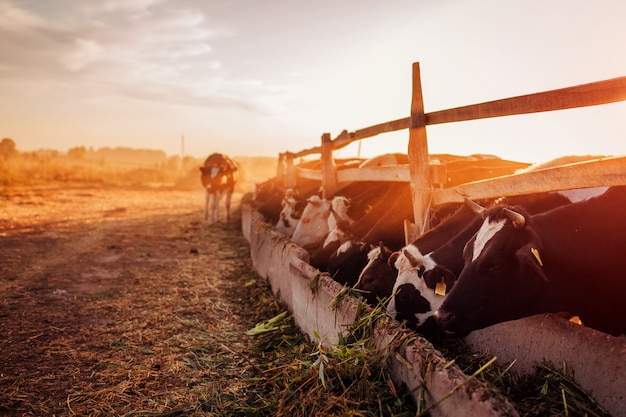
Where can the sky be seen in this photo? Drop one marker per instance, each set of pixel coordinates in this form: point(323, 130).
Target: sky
point(255, 77)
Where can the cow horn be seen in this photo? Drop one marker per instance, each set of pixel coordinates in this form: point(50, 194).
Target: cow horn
point(475, 207)
point(412, 259)
point(518, 219)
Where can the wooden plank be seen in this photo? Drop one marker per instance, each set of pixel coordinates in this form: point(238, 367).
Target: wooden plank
point(596, 93)
point(329, 176)
point(382, 128)
point(345, 138)
point(305, 152)
point(312, 174)
point(595, 173)
point(419, 160)
point(592, 94)
point(399, 173)
point(290, 179)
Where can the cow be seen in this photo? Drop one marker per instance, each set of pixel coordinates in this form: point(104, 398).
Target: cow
point(291, 212)
point(385, 209)
point(378, 276)
point(339, 207)
point(269, 195)
point(332, 253)
point(569, 259)
point(349, 257)
point(338, 221)
point(218, 177)
point(313, 226)
point(447, 261)
point(358, 207)
point(380, 271)
point(420, 276)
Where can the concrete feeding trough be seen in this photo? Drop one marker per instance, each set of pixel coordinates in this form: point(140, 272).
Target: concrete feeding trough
point(416, 364)
point(597, 360)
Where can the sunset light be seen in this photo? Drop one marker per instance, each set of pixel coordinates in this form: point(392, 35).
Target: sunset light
point(259, 78)
point(312, 208)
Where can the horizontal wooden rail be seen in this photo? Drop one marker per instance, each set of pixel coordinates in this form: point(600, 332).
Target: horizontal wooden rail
point(594, 173)
point(592, 94)
point(311, 174)
point(397, 173)
point(304, 152)
point(346, 138)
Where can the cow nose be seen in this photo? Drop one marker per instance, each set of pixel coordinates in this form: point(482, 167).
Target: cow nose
point(444, 318)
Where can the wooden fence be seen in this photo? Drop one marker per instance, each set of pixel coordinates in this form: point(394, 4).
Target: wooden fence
point(600, 172)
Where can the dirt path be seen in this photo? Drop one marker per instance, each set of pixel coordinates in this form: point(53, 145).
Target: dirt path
point(120, 301)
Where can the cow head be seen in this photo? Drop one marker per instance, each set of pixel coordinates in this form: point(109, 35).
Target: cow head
point(414, 299)
point(313, 225)
point(289, 215)
point(377, 278)
point(348, 261)
point(502, 278)
point(339, 211)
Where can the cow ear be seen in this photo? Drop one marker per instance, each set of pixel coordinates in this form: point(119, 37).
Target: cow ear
point(440, 274)
point(529, 257)
point(392, 258)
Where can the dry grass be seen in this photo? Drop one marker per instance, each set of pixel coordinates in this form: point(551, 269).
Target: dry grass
point(119, 313)
point(122, 301)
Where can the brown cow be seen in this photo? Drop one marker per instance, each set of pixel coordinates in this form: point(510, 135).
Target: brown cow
point(219, 175)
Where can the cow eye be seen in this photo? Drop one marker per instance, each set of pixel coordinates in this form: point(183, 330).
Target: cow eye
point(488, 264)
point(420, 271)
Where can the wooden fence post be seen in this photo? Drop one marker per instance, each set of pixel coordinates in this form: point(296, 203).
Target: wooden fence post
point(329, 173)
point(280, 168)
point(419, 160)
point(291, 180)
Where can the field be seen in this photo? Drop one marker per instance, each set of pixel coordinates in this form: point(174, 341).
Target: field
point(120, 300)
point(116, 298)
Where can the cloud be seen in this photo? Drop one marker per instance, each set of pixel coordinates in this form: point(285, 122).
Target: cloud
point(15, 19)
point(85, 52)
point(127, 5)
point(151, 50)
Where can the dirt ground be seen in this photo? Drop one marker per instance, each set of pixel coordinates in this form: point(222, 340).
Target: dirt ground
point(122, 301)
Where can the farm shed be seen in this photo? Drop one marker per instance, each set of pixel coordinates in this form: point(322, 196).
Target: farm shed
point(596, 359)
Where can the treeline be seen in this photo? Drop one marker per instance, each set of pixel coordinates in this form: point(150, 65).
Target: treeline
point(117, 166)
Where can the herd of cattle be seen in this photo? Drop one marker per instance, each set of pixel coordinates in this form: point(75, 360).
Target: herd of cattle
point(480, 264)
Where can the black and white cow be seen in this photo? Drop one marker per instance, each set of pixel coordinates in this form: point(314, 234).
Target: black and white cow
point(290, 214)
point(313, 225)
point(569, 259)
point(218, 177)
point(424, 280)
point(378, 276)
point(349, 258)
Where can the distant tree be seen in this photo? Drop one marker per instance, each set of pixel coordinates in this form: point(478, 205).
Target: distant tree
point(77, 153)
point(173, 163)
point(7, 148)
point(190, 162)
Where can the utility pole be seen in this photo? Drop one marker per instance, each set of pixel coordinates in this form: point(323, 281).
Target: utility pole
point(182, 154)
